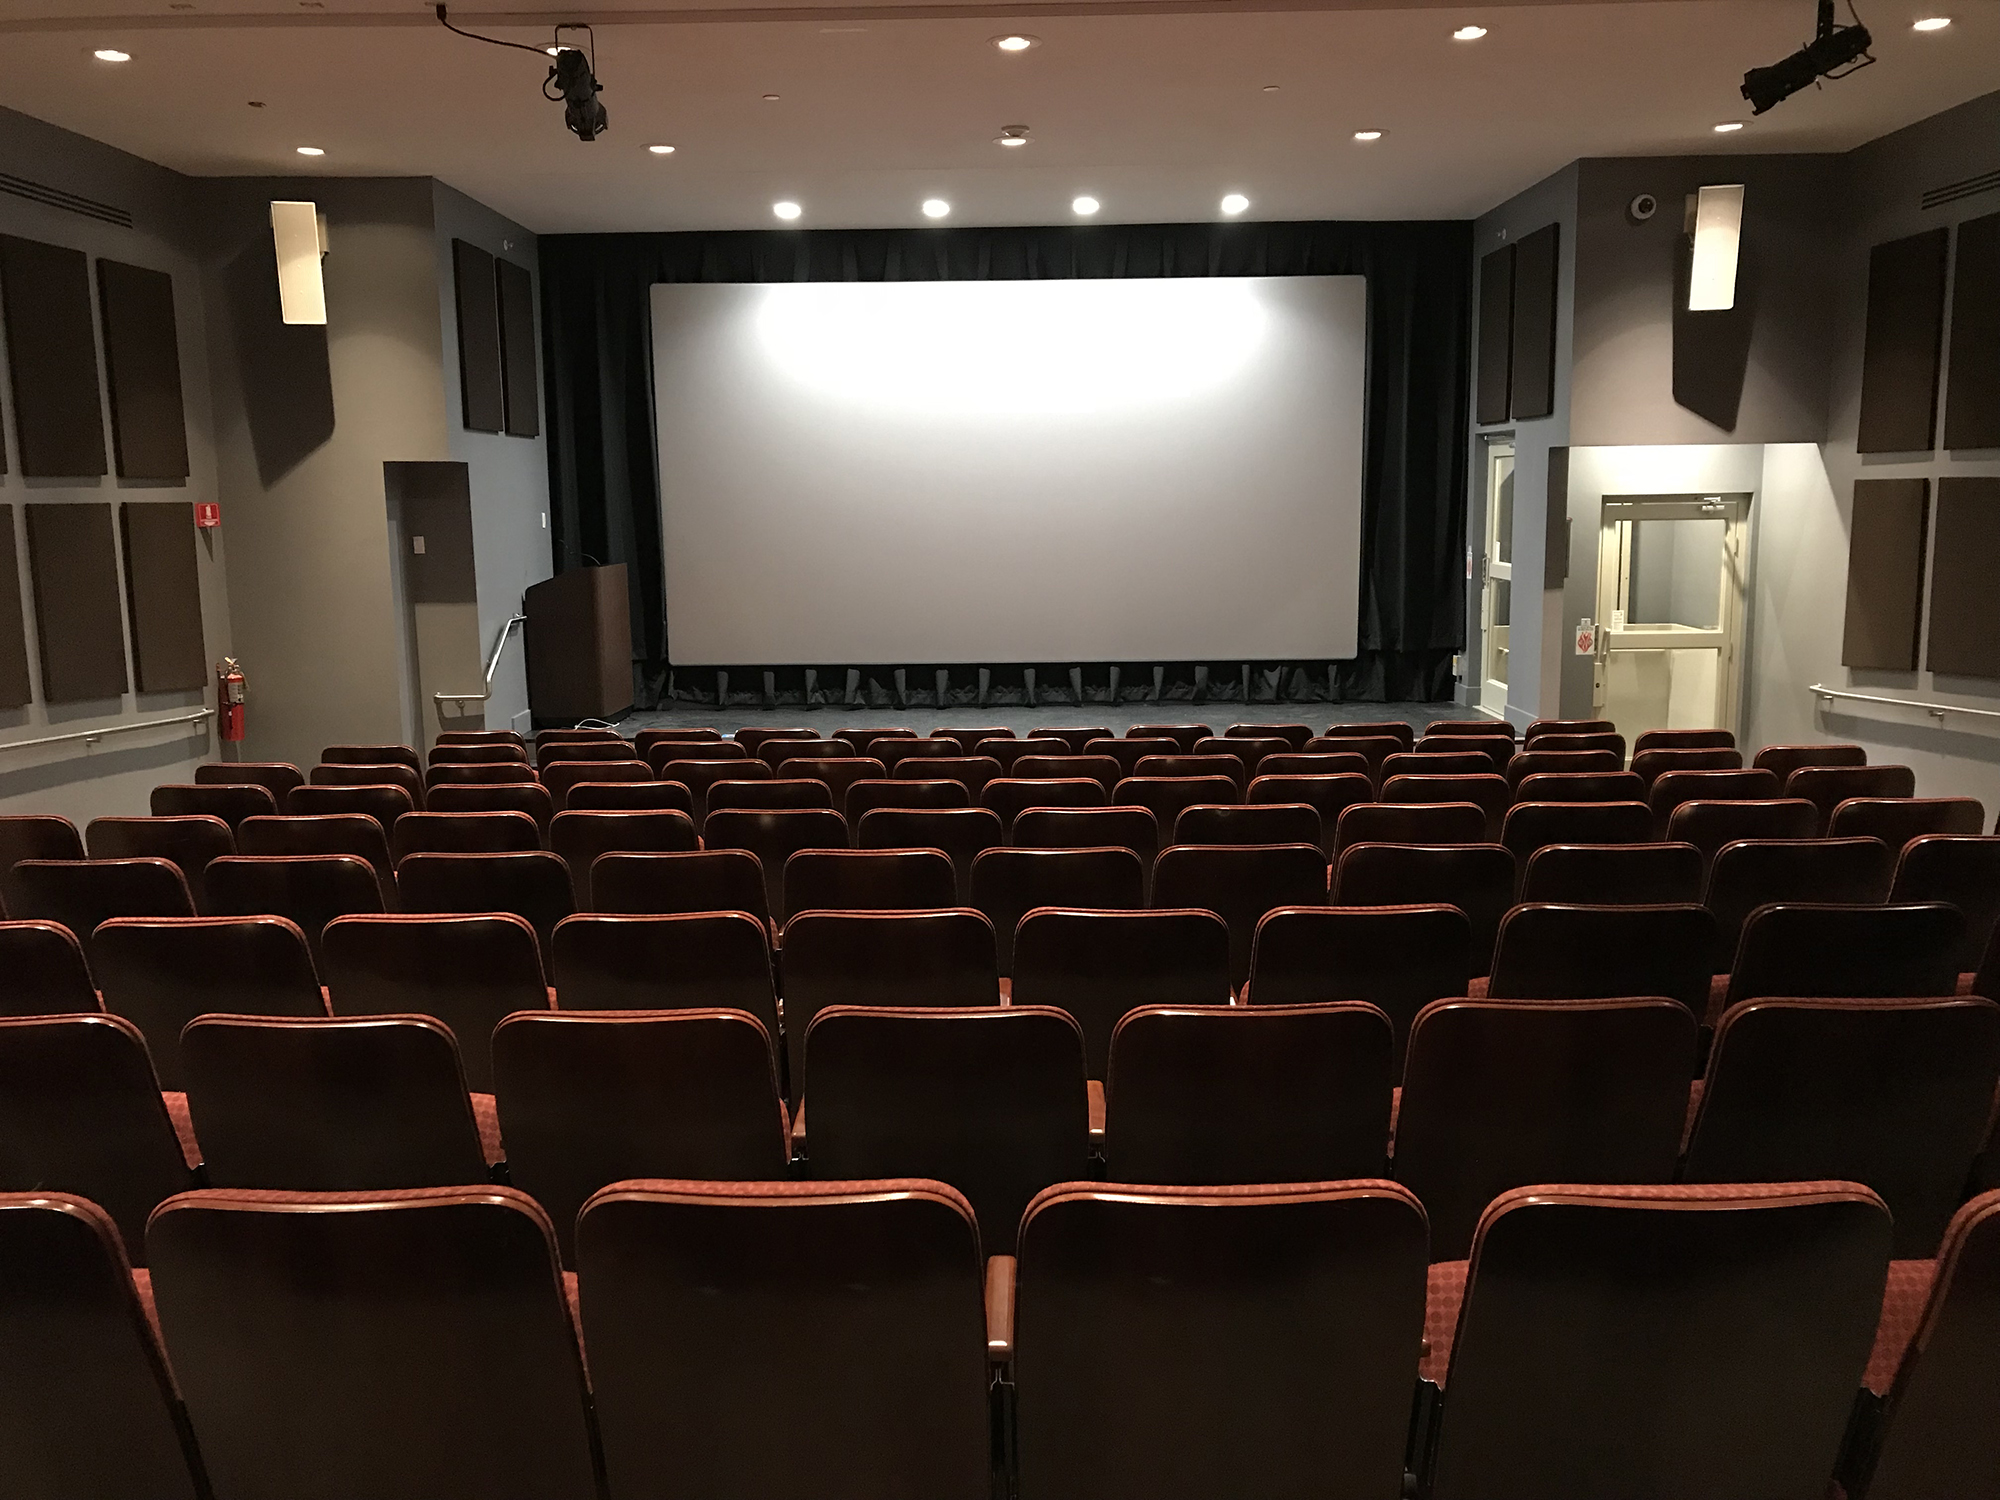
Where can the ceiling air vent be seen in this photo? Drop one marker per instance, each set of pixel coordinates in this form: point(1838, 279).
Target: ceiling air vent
point(1965, 187)
point(41, 192)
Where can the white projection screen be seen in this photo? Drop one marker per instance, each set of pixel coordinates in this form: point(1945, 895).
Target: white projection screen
point(1011, 471)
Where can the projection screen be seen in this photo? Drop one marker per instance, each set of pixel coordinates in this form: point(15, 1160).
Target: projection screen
point(1011, 471)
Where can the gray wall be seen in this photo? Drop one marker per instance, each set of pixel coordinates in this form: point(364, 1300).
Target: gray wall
point(114, 775)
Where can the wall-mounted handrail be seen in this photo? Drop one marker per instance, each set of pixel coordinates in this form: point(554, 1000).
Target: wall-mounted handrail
point(92, 736)
point(1935, 710)
point(492, 666)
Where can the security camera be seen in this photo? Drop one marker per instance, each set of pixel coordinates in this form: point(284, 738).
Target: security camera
point(1642, 208)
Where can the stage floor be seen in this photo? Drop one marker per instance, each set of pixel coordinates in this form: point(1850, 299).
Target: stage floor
point(1020, 719)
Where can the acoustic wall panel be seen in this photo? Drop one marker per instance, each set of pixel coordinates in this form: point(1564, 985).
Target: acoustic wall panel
point(478, 338)
point(1905, 335)
point(14, 688)
point(1885, 573)
point(163, 597)
point(1972, 397)
point(52, 354)
point(73, 567)
point(1496, 335)
point(142, 368)
point(1965, 603)
point(520, 386)
point(1537, 266)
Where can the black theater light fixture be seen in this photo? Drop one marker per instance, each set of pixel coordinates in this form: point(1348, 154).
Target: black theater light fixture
point(572, 75)
point(1834, 52)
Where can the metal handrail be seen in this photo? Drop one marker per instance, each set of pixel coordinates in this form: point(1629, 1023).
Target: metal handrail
point(492, 666)
point(1935, 710)
point(92, 736)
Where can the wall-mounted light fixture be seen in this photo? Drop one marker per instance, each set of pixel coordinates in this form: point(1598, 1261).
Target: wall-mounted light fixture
point(299, 234)
point(1715, 220)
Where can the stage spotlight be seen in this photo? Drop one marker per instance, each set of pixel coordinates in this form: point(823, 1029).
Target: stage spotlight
point(1834, 52)
point(573, 74)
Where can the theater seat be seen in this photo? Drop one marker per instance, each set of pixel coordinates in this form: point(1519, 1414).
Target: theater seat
point(1184, 736)
point(867, 794)
point(1782, 760)
point(515, 796)
point(87, 1405)
point(1614, 874)
point(534, 886)
point(808, 746)
point(665, 884)
point(1243, 823)
point(1329, 796)
point(1409, 823)
point(308, 890)
point(1897, 820)
point(1562, 952)
point(1660, 1343)
point(1579, 786)
point(1668, 790)
point(1076, 739)
point(188, 842)
point(1710, 825)
point(276, 777)
point(1478, 879)
point(629, 796)
point(401, 1346)
point(699, 775)
point(404, 755)
point(463, 833)
point(1009, 797)
point(493, 752)
point(1649, 765)
point(393, 773)
point(1683, 739)
point(1129, 750)
point(36, 836)
point(1294, 735)
point(1751, 873)
point(1251, 749)
point(1167, 797)
point(1128, 1386)
point(561, 778)
point(579, 836)
point(973, 772)
point(1403, 733)
point(82, 894)
point(694, 961)
point(1962, 871)
point(806, 1339)
point(1396, 958)
point(384, 803)
point(1486, 791)
point(1101, 769)
point(1826, 787)
point(961, 832)
point(1528, 826)
point(1591, 740)
point(1533, 762)
point(1541, 727)
point(1007, 884)
point(1801, 948)
point(1134, 828)
point(1239, 883)
point(42, 972)
point(352, 833)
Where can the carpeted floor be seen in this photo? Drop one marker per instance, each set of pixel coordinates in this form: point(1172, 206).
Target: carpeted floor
point(1021, 720)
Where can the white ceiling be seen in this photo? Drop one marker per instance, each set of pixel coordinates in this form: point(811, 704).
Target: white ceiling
point(1155, 107)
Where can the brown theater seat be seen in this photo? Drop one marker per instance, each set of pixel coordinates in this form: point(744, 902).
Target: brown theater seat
point(961, 832)
point(1826, 787)
point(562, 777)
point(1436, 763)
point(648, 738)
point(1660, 1341)
point(352, 833)
point(1580, 786)
point(330, 1106)
point(479, 737)
point(580, 836)
point(1315, 763)
point(533, 885)
point(1567, 726)
point(1243, 823)
point(1007, 884)
point(660, 754)
point(1497, 748)
point(1403, 733)
point(1233, 767)
point(493, 773)
point(42, 972)
point(393, 755)
point(1102, 769)
point(467, 971)
point(36, 836)
point(699, 775)
point(775, 752)
point(1294, 735)
point(548, 752)
point(972, 771)
point(868, 880)
point(1668, 790)
point(404, 1346)
point(1683, 739)
point(1250, 749)
point(1224, 1094)
point(1498, 727)
point(1007, 749)
point(1962, 871)
point(1134, 828)
point(498, 752)
point(1329, 796)
point(1614, 875)
point(865, 795)
point(860, 739)
point(1782, 760)
point(850, 1311)
point(463, 833)
point(1487, 792)
point(1076, 739)
point(1010, 797)
point(1529, 826)
point(87, 1406)
point(1894, 1093)
point(383, 802)
point(1575, 952)
point(800, 792)
point(1532, 762)
point(892, 751)
point(1166, 797)
point(1184, 736)
point(275, 776)
point(1129, 1387)
point(691, 961)
point(628, 796)
point(83, 894)
point(667, 884)
point(1595, 740)
point(309, 890)
point(1478, 879)
point(1799, 948)
point(518, 796)
point(837, 772)
point(160, 973)
point(1099, 965)
point(187, 842)
point(1375, 749)
point(991, 1100)
point(1650, 765)
point(1129, 751)
point(1409, 823)
point(81, 1112)
point(232, 804)
point(551, 736)
point(1710, 825)
point(774, 837)
point(1395, 958)
point(1751, 873)
point(387, 774)
point(1897, 820)
point(1239, 883)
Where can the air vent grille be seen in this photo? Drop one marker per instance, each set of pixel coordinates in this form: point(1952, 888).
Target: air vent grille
point(40, 192)
point(1965, 187)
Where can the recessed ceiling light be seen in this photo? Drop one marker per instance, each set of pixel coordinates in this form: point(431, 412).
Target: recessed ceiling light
point(936, 208)
point(310, 151)
point(786, 209)
point(1931, 23)
point(1085, 205)
point(661, 149)
point(1234, 203)
point(1270, 88)
point(1727, 126)
point(1012, 135)
point(1468, 33)
point(1016, 42)
point(1368, 135)
point(770, 98)
point(111, 54)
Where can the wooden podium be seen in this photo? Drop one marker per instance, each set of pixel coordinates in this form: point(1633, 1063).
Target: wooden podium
point(579, 640)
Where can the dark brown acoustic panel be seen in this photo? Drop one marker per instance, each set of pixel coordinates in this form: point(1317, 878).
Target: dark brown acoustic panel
point(52, 354)
point(163, 596)
point(519, 382)
point(73, 567)
point(1537, 263)
point(1555, 522)
point(142, 368)
point(1972, 395)
point(1885, 573)
point(14, 688)
point(1965, 580)
point(1496, 335)
point(478, 338)
point(1905, 335)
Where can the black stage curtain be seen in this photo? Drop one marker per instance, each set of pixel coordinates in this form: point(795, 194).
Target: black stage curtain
point(596, 331)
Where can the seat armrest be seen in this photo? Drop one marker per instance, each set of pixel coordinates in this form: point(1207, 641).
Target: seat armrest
point(1000, 1309)
point(1095, 1091)
point(799, 1130)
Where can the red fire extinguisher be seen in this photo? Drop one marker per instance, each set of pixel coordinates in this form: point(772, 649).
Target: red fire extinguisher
point(229, 687)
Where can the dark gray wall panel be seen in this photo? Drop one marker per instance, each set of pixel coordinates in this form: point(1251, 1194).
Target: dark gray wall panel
point(14, 689)
point(1885, 573)
point(1899, 362)
point(163, 596)
point(52, 356)
point(1965, 580)
point(73, 566)
point(142, 368)
point(1537, 266)
point(521, 385)
point(1972, 395)
point(1496, 334)
point(478, 338)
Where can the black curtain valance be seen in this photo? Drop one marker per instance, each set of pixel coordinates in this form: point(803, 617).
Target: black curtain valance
point(603, 464)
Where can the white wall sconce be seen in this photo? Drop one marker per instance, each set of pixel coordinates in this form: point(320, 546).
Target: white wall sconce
point(298, 230)
point(1715, 219)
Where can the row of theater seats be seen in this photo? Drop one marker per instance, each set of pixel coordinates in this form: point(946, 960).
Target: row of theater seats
point(849, 1340)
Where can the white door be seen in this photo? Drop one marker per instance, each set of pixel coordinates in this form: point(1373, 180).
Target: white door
point(1497, 589)
point(1670, 593)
